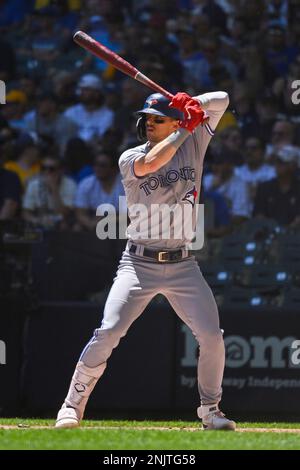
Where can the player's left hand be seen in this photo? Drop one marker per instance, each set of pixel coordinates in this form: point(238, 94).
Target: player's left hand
point(191, 110)
point(194, 115)
point(181, 100)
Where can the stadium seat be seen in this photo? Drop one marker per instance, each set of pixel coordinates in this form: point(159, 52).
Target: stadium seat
point(264, 276)
point(238, 250)
point(291, 300)
point(243, 298)
point(259, 229)
point(288, 249)
point(216, 275)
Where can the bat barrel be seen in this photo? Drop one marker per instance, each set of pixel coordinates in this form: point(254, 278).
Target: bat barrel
point(102, 52)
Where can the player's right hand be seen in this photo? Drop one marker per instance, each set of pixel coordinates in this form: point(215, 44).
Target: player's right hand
point(194, 115)
point(181, 100)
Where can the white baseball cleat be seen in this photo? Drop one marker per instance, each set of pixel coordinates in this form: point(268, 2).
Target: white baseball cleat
point(214, 419)
point(67, 418)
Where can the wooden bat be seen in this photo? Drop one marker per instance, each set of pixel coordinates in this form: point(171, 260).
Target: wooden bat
point(102, 52)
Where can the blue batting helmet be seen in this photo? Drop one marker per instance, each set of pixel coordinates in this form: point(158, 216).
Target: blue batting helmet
point(159, 105)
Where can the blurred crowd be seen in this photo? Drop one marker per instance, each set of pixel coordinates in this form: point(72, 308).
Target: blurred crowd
point(68, 115)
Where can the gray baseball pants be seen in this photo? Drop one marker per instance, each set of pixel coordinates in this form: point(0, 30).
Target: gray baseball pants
point(136, 283)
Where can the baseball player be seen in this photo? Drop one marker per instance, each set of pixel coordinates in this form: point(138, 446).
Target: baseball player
point(166, 170)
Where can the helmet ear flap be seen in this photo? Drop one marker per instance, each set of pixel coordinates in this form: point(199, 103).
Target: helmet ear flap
point(141, 128)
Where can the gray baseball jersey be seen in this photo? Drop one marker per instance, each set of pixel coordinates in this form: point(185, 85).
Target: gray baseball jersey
point(176, 184)
point(139, 278)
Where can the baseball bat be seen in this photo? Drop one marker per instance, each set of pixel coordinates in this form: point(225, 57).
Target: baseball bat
point(104, 53)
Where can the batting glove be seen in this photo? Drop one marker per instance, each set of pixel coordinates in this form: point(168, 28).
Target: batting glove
point(194, 115)
point(181, 100)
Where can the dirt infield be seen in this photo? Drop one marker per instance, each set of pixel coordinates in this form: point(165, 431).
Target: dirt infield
point(153, 428)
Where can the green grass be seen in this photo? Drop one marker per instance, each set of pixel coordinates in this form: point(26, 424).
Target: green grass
point(87, 437)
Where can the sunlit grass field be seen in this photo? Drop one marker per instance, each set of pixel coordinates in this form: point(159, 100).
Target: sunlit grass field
point(26, 434)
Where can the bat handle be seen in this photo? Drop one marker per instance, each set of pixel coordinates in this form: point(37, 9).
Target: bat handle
point(167, 93)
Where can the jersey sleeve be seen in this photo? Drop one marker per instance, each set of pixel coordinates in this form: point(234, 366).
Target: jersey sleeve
point(126, 164)
point(215, 104)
